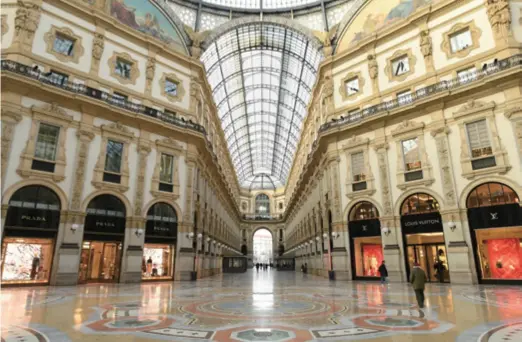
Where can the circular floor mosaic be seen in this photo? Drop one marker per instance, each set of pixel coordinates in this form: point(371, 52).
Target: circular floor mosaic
point(262, 306)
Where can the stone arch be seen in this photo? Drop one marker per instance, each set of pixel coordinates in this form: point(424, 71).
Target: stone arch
point(173, 204)
point(353, 202)
point(8, 193)
point(246, 21)
point(408, 193)
point(125, 201)
point(489, 179)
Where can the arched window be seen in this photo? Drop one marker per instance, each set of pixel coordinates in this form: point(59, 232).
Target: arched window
point(419, 203)
point(106, 205)
point(363, 211)
point(262, 205)
point(489, 194)
point(162, 212)
point(35, 197)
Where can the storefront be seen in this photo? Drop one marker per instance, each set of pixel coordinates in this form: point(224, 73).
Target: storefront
point(104, 232)
point(159, 252)
point(495, 221)
point(364, 229)
point(31, 226)
point(234, 264)
point(423, 237)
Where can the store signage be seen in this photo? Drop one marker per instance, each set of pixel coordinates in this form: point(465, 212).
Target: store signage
point(507, 215)
point(161, 229)
point(422, 223)
point(32, 218)
point(364, 228)
point(104, 224)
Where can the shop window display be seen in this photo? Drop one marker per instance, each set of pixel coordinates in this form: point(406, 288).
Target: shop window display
point(368, 256)
point(500, 252)
point(26, 260)
point(157, 262)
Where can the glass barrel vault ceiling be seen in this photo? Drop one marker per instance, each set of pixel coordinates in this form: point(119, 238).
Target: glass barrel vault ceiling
point(262, 75)
point(265, 4)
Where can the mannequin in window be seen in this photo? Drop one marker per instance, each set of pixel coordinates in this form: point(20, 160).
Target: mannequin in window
point(34, 267)
point(149, 265)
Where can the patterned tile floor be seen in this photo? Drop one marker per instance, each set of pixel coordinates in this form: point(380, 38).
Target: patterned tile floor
point(261, 306)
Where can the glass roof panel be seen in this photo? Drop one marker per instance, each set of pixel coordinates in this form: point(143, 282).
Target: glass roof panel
point(262, 75)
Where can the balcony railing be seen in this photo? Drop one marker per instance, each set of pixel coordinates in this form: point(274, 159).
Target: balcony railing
point(471, 77)
point(262, 217)
point(63, 83)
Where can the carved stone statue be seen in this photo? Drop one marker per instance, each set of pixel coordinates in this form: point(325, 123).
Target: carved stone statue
point(425, 44)
point(151, 68)
point(197, 39)
point(373, 67)
point(499, 15)
point(97, 46)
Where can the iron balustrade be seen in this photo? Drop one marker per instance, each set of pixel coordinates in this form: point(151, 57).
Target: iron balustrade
point(460, 81)
point(59, 81)
point(262, 217)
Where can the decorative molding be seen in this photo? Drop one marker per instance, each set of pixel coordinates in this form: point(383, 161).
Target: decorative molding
point(426, 47)
point(446, 171)
point(77, 50)
point(10, 119)
point(499, 15)
point(180, 89)
point(382, 161)
point(348, 77)
point(355, 145)
point(173, 148)
point(471, 112)
point(150, 70)
point(85, 136)
point(27, 19)
point(134, 72)
point(143, 149)
point(475, 37)
point(515, 115)
point(407, 126)
point(412, 60)
point(117, 132)
point(54, 115)
point(98, 45)
point(4, 25)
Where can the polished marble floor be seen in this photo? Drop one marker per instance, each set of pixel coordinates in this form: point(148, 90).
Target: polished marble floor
point(261, 306)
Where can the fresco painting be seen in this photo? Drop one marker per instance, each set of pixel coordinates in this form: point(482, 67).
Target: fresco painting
point(143, 16)
point(378, 14)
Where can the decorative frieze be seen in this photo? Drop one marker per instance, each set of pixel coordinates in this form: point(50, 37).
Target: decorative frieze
point(446, 172)
point(10, 119)
point(382, 160)
point(85, 136)
point(143, 153)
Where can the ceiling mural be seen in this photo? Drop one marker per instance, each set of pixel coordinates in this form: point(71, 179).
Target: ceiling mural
point(376, 15)
point(145, 17)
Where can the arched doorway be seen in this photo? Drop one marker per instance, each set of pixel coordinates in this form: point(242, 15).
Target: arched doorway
point(364, 229)
point(159, 251)
point(31, 226)
point(104, 232)
point(495, 222)
point(263, 246)
point(423, 236)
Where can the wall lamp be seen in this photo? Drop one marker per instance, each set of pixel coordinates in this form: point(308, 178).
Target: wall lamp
point(452, 225)
point(138, 232)
point(208, 239)
point(386, 231)
point(200, 236)
point(335, 235)
point(318, 238)
point(311, 241)
point(75, 227)
point(325, 236)
point(190, 235)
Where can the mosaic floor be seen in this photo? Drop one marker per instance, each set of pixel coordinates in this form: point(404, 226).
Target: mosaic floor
point(261, 306)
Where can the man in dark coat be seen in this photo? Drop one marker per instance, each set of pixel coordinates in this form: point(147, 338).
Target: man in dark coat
point(383, 271)
point(418, 280)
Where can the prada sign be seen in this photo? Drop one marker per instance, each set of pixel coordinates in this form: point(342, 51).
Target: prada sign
point(32, 218)
point(507, 215)
point(161, 229)
point(104, 224)
point(364, 228)
point(422, 223)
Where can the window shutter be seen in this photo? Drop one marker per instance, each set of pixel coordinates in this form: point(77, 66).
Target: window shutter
point(358, 166)
point(478, 135)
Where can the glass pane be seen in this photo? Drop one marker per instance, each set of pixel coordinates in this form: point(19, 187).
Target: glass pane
point(113, 156)
point(63, 45)
point(352, 86)
point(171, 87)
point(47, 142)
point(400, 66)
point(410, 150)
point(166, 168)
point(123, 68)
point(461, 40)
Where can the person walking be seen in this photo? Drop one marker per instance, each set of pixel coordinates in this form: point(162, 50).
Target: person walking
point(383, 271)
point(418, 280)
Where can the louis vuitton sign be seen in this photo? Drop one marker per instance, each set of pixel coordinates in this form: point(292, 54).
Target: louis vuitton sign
point(422, 223)
point(497, 216)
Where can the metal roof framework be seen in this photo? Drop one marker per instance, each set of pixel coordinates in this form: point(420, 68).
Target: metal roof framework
point(262, 75)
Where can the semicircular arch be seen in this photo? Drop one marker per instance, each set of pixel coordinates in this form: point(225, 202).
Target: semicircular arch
point(490, 179)
point(123, 199)
point(358, 200)
point(421, 190)
point(173, 204)
point(9, 192)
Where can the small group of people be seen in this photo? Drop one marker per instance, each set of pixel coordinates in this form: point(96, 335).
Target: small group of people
point(304, 268)
point(263, 266)
point(418, 280)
